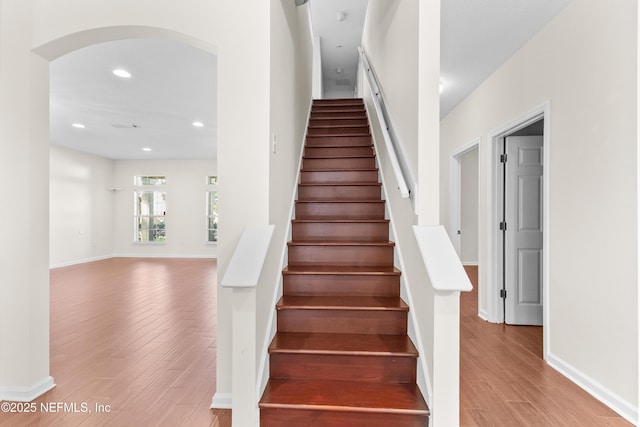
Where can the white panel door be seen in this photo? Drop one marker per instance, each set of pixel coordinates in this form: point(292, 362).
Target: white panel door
point(523, 239)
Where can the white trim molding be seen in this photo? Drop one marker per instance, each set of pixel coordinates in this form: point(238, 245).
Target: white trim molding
point(597, 390)
point(80, 261)
point(26, 394)
point(494, 263)
point(221, 401)
point(454, 190)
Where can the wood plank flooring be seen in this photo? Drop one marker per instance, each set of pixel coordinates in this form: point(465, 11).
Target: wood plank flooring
point(137, 335)
point(505, 382)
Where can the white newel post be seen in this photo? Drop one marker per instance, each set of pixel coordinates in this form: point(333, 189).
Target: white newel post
point(448, 279)
point(242, 276)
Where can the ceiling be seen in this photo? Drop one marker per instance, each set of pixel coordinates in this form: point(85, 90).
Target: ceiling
point(339, 41)
point(476, 38)
point(174, 85)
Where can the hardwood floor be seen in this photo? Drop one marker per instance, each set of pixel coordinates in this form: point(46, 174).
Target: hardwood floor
point(505, 382)
point(135, 338)
point(139, 335)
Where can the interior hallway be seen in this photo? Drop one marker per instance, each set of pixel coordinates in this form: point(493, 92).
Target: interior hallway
point(505, 382)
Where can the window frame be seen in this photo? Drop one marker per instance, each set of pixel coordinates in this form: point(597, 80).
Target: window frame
point(212, 189)
point(155, 188)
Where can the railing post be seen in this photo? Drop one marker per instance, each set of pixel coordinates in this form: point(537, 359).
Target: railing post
point(448, 279)
point(446, 359)
point(243, 275)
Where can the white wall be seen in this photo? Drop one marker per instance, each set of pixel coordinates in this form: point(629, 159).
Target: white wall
point(291, 93)
point(89, 222)
point(24, 188)
point(81, 209)
point(186, 209)
point(33, 32)
point(391, 41)
point(584, 63)
point(469, 208)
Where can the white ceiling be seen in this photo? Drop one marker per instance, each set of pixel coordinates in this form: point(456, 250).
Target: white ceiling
point(174, 85)
point(476, 38)
point(480, 35)
point(339, 40)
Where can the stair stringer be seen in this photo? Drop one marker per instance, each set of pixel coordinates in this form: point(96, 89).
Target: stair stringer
point(263, 353)
point(414, 271)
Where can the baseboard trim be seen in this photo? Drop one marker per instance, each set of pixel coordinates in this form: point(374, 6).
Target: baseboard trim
point(26, 394)
point(79, 261)
point(597, 390)
point(102, 258)
point(221, 401)
point(483, 315)
point(470, 263)
point(186, 256)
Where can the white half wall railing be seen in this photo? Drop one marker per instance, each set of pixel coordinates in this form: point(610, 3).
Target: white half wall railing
point(242, 276)
point(407, 185)
point(448, 278)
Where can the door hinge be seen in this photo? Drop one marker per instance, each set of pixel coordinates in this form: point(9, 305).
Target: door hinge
point(503, 293)
point(503, 226)
point(503, 158)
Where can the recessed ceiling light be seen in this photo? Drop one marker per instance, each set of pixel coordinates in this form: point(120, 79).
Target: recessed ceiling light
point(198, 124)
point(78, 125)
point(122, 73)
point(146, 149)
point(339, 70)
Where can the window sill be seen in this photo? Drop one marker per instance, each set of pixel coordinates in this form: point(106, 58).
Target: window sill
point(150, 243)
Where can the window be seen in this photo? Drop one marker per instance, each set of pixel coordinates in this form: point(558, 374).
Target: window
point(212, 211)
point(150, 180)
point(150, 209)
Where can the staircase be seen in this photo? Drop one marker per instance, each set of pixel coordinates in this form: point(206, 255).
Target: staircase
point(341, 355)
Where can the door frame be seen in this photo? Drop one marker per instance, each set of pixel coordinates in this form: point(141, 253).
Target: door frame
point(455, 190)
point(494, 234)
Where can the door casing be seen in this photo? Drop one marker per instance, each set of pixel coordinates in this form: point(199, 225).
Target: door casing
point(455, 171)
point(493, 270)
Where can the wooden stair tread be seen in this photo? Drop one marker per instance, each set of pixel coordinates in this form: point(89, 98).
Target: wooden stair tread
point(337, 145)
point(338, 184)
point(341, 201)
point(341, 115)
point(336, 125)
point(339, 220)
point(346, 156)
point(340, 269)
point(290, 302)
point(307, 169)
point(333, 110)
point(343, 344)
point(355, 396)
point(338, 243)
point(337, 135)
point(339, 170)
